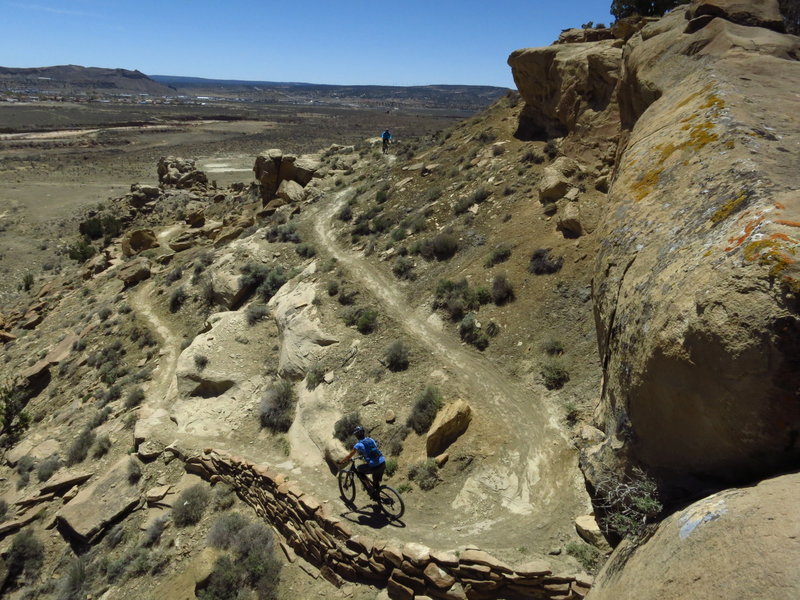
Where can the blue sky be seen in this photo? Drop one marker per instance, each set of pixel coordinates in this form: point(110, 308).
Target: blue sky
point(404, 42)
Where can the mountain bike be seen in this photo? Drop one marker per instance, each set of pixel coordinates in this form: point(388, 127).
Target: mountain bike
point(386, 143)
point(387, 498)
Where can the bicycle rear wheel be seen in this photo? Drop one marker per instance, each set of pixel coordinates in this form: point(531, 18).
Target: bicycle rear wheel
point(391, 502)
point(347, 487)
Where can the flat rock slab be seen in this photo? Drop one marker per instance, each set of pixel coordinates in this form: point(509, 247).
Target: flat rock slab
point(101, 503)
point(65, 481)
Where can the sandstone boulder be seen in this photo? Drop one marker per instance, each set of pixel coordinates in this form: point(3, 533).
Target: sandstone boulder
point(570, 90)
point(137, 241)
point(182, 241)
point(569, 219)
point(451, 422)
point(195, 215)
point(226, 270)
point(96, 265)
point(100, 504)
point(739, 543)
point(291, 191)
point(179, 172)
point(135, 271)
point(586, 526)
point(267, 169)
point(306, 168)
point(302, 338)
point(752, 13)
point(589, 34)
point(38, 450)
point(695, 302)
point(142, 194)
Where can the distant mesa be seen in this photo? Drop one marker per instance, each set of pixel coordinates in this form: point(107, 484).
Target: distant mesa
point(75, 77)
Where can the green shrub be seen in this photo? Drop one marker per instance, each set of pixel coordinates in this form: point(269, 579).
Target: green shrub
point(224, 497)
point(347, 297)
point(265, 281)
point(333, 287)
point(71, 586)
point(190, 505)
point(286, 232)
point(134, 398)
point(79, 449)
point(101, 446)
point(391, 466)
point(176, 299)
point(502, 290)
point(47, 467)
point(403, 268)
point(550, 149)
point(226, 529)
point(444, 246)
point(553, 347)
point(315, 375)
point(367, 321)
point(588, 556)
point(81, 251)
point(345, 213)
point(25, 556)
point(277, 406)
point(344, 427)
point(134, 470)
point(200, 361)
point(153, 532)
point(542, 263)
point(174, 275)
point(499, 253)
point(255, 313)
point(396, 356)
point(629, 503)
point(425, 474)
point(381, 196)
point(425, 408)
point(305, 250)
point(531, 156)
point(393, 441)
point(554, 374)
point(27, 281)
point(470, 333)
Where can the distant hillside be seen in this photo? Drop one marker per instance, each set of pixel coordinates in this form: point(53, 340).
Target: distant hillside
point(444, 96)
point(70, 78)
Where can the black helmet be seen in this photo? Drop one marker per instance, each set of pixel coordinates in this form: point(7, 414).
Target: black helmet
point(359, 432)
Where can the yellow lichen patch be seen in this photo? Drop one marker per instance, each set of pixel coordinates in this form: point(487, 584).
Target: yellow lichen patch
point(771, 253)
point(713, 101)
point(701, 135)
point(646, 184)
point(724, 211)
point(730, 144)
point(666, 150)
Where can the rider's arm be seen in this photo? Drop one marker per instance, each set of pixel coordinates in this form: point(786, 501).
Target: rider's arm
point(348, 457)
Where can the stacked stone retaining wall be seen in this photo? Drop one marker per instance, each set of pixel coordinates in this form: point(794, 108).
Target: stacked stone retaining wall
point(407, 571)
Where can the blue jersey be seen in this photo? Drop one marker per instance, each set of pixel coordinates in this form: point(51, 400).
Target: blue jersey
point(386, 135)
point(368, 450)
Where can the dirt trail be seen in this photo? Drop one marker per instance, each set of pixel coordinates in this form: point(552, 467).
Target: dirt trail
point(533, 475)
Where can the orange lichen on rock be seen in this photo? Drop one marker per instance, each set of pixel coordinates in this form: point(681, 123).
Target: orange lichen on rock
point(772, 253)
point(788, 223)
point(748, 229)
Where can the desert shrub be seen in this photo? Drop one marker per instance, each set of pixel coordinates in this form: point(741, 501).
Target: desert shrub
point(24, 467)
point(444, 246)
point(502, 290)
point(81, 251)
point(391, 466)
point(396, 356)
point(224, 497)
point(104, 313)
point(3, 510)
point(425, 474)
point(79, 449)
point(135, 397)
point(315, 375)
point(200, 361)
point(305, 250)
point(134, 470)
point(285, 232)
point(542, 263)
point(550, 149)
point(174, 275)
point(367, 321)
point(425, 409)
point(47, 467)
point(381, 196)
point(333, 287)
point(350, 316)
point(225, 530)
point(456, 297)
point(71, 586)
point(628, 503)
point(553, 347)
point(531, 156)
point(345, 213)
point(403, 268)
point(392, 442)
point(115, 536)
point(176, 299)
point(25, 557)
point(264, 280)
point(399, 234)
point(554, 374)
point(588, 556)
point(13, 418)
point(255, 313)
point(113, 392)
point(277, 406)
point(499, 253)
point(343, 428)
point(190, 505)
point(571, 412)
point(347, 297)
point(153, 532)
point(432, 194)
point(101, 446)
point(470, 332)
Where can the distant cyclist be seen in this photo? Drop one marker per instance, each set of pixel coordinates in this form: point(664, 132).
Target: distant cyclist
point(375, 463)
point(386, 137)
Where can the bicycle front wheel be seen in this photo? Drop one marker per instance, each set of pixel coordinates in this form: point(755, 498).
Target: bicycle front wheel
point(391, 503)
point(347, 487)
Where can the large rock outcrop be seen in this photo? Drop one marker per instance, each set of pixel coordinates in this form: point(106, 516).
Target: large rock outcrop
point(180, 173)
point(740, 543)
point(696, 285)
point(283, 176)
point(570, 90)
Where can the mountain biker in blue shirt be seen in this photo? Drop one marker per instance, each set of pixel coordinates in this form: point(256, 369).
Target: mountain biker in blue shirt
point(375, 463)
point(386, 137)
